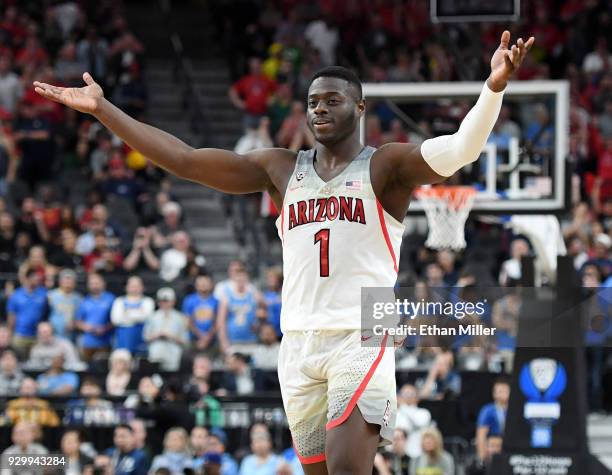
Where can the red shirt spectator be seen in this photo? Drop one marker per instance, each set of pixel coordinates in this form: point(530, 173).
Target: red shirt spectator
point(251, 92)
point(31, 53)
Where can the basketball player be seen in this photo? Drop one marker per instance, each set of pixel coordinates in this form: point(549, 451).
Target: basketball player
point(341, 227)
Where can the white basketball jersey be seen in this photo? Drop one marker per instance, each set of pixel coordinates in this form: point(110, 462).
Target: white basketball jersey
point(336, 239)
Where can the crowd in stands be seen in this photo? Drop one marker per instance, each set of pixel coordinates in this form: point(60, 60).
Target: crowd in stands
point(108, 316)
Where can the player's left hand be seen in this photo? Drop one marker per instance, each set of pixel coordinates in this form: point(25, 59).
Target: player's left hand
point(506, 60)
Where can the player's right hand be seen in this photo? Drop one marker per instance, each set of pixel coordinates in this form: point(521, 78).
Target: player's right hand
point(84, 99)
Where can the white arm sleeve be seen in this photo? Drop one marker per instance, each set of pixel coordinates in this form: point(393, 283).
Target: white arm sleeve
point(448, 153)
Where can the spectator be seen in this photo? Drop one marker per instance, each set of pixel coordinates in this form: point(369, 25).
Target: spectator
point(98, 223)
point(395, 461)
point(434, 458)
point(201, 308)
point(56, 381)
point(6, 339)
point(31, 222)
point(224, 286)
point(102, 465)
point(92, 51)
point(66, 255)
point(139, 429)
point(37, 260)
point(93, 318)
point(171, 213)
point(262, 460)
point(121, 182)
point(28, 408)
point(148, 392)
point(174, 260)
point(216, 444)
point(199, 382)
point(323, 36)
point(442, 380)
point(238, 376)
point(129, 314)
point(166, 332)
point(511, 269)
point(119, 378)
point(176, 455)
point(23, 437)
point(26, 308)
point(411, 418)
point(434, 276)
point(98, 259)
point(238, 313)
point(141, 256)
point(131, 95)
point(505, 318)
point(198, 440)
point(91, 409)
point(482, 467)
point(265, 355)
point(294, 133)
point(7, 241)
point(273, 296)
point(11, 376)
point(48, 346)
point(63, 303)
point(256, 136)
point(32, 53)
point(68, 67)
point(492, 417)
point(33, 135)
point(11, 88)
point(126, 458)
point(76, 461)
point(446, 261)
point(251, 94)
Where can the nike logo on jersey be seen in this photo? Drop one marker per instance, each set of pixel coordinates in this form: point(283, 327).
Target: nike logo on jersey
point(326, 209)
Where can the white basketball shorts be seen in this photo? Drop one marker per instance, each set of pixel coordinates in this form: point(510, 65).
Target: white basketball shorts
point(324, 374)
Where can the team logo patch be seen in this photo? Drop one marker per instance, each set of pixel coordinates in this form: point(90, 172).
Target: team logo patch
point(387, 414)
point(299, 176)
point(353, 184)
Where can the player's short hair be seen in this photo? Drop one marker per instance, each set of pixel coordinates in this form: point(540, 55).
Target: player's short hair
point(341, 73)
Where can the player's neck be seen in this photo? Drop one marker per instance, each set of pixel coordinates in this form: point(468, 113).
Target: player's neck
point(340, 152)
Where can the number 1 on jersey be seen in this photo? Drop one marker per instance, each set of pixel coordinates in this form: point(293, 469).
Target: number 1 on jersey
point(322, 237)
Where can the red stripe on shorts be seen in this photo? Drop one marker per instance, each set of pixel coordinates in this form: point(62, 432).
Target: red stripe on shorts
point(311, 459)
point(353, 402)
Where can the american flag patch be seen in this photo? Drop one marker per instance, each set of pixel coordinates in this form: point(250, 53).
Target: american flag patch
point(353, 184)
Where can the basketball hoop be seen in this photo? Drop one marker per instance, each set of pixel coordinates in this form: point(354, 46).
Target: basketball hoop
point(447, 209)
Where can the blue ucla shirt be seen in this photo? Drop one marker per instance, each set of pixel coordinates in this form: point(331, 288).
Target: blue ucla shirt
point(130, 463)
point(96, 311)
point(241, 317)
point(201, 310)
point(63, 311)
point(29, 309)
point(273, 301)
point(130, 337)
point(494, 418)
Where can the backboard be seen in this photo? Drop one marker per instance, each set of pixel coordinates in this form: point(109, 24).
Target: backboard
point(522, 166)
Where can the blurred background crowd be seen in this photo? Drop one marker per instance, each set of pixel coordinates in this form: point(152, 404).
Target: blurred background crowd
point(120, 349)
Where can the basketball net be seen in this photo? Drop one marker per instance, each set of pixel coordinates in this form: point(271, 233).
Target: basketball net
point(447, 209)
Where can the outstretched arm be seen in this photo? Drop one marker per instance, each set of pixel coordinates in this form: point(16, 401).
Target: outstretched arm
point(440, 157)
point(219, 169)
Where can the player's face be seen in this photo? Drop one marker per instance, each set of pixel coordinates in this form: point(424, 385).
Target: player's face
point(333, 110)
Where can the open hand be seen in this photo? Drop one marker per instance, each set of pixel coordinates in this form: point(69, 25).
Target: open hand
point(84, 99)
point(506, 61)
